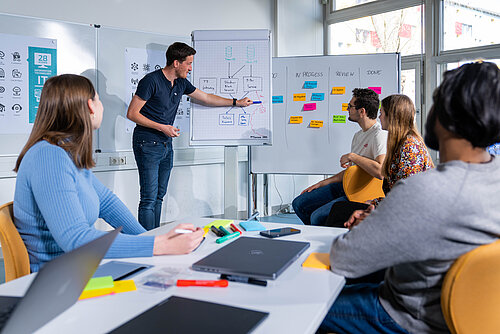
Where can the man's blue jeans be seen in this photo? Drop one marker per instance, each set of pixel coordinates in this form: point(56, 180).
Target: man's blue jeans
point(154, 162)
point(358, 310)
point(314, 207)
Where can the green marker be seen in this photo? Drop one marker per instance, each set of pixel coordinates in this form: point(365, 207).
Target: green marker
point(226, 232)
point(227, 237)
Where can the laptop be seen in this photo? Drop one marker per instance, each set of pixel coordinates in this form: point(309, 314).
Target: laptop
point(56, 287)
point(190, 316)
point(253, 257)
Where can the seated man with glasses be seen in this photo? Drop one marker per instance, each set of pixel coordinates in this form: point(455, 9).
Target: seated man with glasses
point(368, 150)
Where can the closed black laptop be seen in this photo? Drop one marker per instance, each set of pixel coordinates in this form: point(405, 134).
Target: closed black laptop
point(178, 315)
point(253, 257)
point(56, 287)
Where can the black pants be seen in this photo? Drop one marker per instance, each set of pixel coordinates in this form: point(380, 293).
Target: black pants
point(341, 211)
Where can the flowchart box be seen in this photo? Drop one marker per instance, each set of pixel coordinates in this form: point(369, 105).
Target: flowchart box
point(228, 86)
point(208, 85)
point(226, 119)
point(251, 84)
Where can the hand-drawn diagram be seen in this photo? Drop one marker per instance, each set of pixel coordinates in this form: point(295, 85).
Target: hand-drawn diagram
point(234, 70)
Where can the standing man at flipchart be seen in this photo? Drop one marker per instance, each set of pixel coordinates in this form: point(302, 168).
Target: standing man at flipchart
point(153, 109)
point(368, 150)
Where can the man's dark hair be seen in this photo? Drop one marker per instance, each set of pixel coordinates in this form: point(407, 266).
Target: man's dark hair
point(467, 103)
point(179, 51)
point(368, 99)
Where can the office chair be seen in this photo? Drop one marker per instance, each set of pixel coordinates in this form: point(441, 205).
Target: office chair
point(14, 251)
point(359, 186)
point(470, 296)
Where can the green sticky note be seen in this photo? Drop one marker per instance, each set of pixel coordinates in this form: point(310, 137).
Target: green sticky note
point(100, 283)
point(220, 222)
point(339, 118)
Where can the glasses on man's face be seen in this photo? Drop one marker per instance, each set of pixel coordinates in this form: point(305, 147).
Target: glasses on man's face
point(349, 106)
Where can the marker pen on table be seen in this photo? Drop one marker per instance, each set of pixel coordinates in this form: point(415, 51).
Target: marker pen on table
point(209, 283)
point(228, 237)
point(216, 231)
point(243, 279)
point(226, 232)
point(235, 229)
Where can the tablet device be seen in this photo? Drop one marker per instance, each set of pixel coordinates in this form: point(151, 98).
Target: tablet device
point(120, 270)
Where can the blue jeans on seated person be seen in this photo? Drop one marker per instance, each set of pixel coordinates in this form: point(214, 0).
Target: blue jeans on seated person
point(154, 162)
point(358, 310)
point(314, 207)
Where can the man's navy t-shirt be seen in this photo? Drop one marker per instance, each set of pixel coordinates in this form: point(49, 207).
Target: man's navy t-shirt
point(162, 101)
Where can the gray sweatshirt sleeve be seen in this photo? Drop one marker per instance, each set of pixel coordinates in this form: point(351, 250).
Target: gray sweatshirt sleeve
point(395, 232)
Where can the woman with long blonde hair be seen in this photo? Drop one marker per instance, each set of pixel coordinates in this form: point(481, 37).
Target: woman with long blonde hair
point(406, 155)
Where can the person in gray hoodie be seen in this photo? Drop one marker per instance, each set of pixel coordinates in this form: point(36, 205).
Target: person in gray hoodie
point(428, 220)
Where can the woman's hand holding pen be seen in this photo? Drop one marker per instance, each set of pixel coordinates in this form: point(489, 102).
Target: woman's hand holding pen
point(178, 243)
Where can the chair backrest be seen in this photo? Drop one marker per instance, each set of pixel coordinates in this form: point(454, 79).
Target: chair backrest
point(470, 296)
point(360, 186)
point(14, 251)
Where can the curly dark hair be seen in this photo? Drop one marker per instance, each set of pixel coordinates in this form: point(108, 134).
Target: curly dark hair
point(467, 103)
point(368, 99)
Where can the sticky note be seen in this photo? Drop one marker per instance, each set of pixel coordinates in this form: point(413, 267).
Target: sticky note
point(278, 99)
point(377, 90)
point(310, 84)
point(220, 222)
point(119, 286)
point(299, 97)
point(344, 106)
point(252, 225)
point(295, 119)
point(317, 96)
point(318, 261)
point(316, 124)
point(99, 283)
point(339, 118)
point(309, 106)
point(338, 90)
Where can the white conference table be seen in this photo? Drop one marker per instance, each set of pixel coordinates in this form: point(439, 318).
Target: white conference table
point(297, 301)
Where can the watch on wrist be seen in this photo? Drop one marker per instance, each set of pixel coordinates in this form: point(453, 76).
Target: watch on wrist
point(234, 102)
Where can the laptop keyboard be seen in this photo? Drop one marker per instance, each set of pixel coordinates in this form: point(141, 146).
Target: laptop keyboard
point(5, 314)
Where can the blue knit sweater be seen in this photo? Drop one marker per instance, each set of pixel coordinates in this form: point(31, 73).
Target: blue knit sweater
point(56, 205)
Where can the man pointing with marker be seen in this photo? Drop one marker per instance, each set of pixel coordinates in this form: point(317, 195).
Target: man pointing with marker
point(153, 109)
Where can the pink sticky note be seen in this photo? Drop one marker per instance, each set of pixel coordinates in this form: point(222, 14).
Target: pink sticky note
point(309, 106)
point(377, 90)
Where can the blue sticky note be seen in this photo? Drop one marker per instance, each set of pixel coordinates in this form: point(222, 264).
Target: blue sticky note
point(317, 96)
point(252, 225)
point(278, 99)
point(310, 84)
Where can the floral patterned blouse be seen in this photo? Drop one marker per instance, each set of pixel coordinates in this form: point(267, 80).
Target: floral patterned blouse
point(412, 158)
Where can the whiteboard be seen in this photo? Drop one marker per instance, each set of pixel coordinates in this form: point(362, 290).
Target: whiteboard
point(317, 89)
point(232, 64)
point(123, 59)
point(73, 42)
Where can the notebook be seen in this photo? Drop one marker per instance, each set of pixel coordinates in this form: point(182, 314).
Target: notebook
point(55, 288)
point(253, 257)
point(189, 316)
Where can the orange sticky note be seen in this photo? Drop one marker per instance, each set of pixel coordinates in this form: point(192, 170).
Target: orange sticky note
point(338, 90)
point(299, 97)
point(316, 124)
point(318, 261)
point(344, 106)
point(295, 119)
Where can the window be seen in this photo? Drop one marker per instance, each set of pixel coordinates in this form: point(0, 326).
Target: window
point(470, 23)
point(341, 4)
point(395, 31)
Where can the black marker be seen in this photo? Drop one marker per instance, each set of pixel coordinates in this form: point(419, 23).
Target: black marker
point(217, 232)
point(243, 279)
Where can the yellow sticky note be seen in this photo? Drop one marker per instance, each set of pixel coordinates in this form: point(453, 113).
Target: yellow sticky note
point(338, 90)
point(318, 261)
point(220, 222)
point(344, 106)
point(299, 97)
point(119, 286)
point(295, 119)
point(99, 283)
point(316, 124)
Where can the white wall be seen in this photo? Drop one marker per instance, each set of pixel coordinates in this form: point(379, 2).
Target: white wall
point(193, 190)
